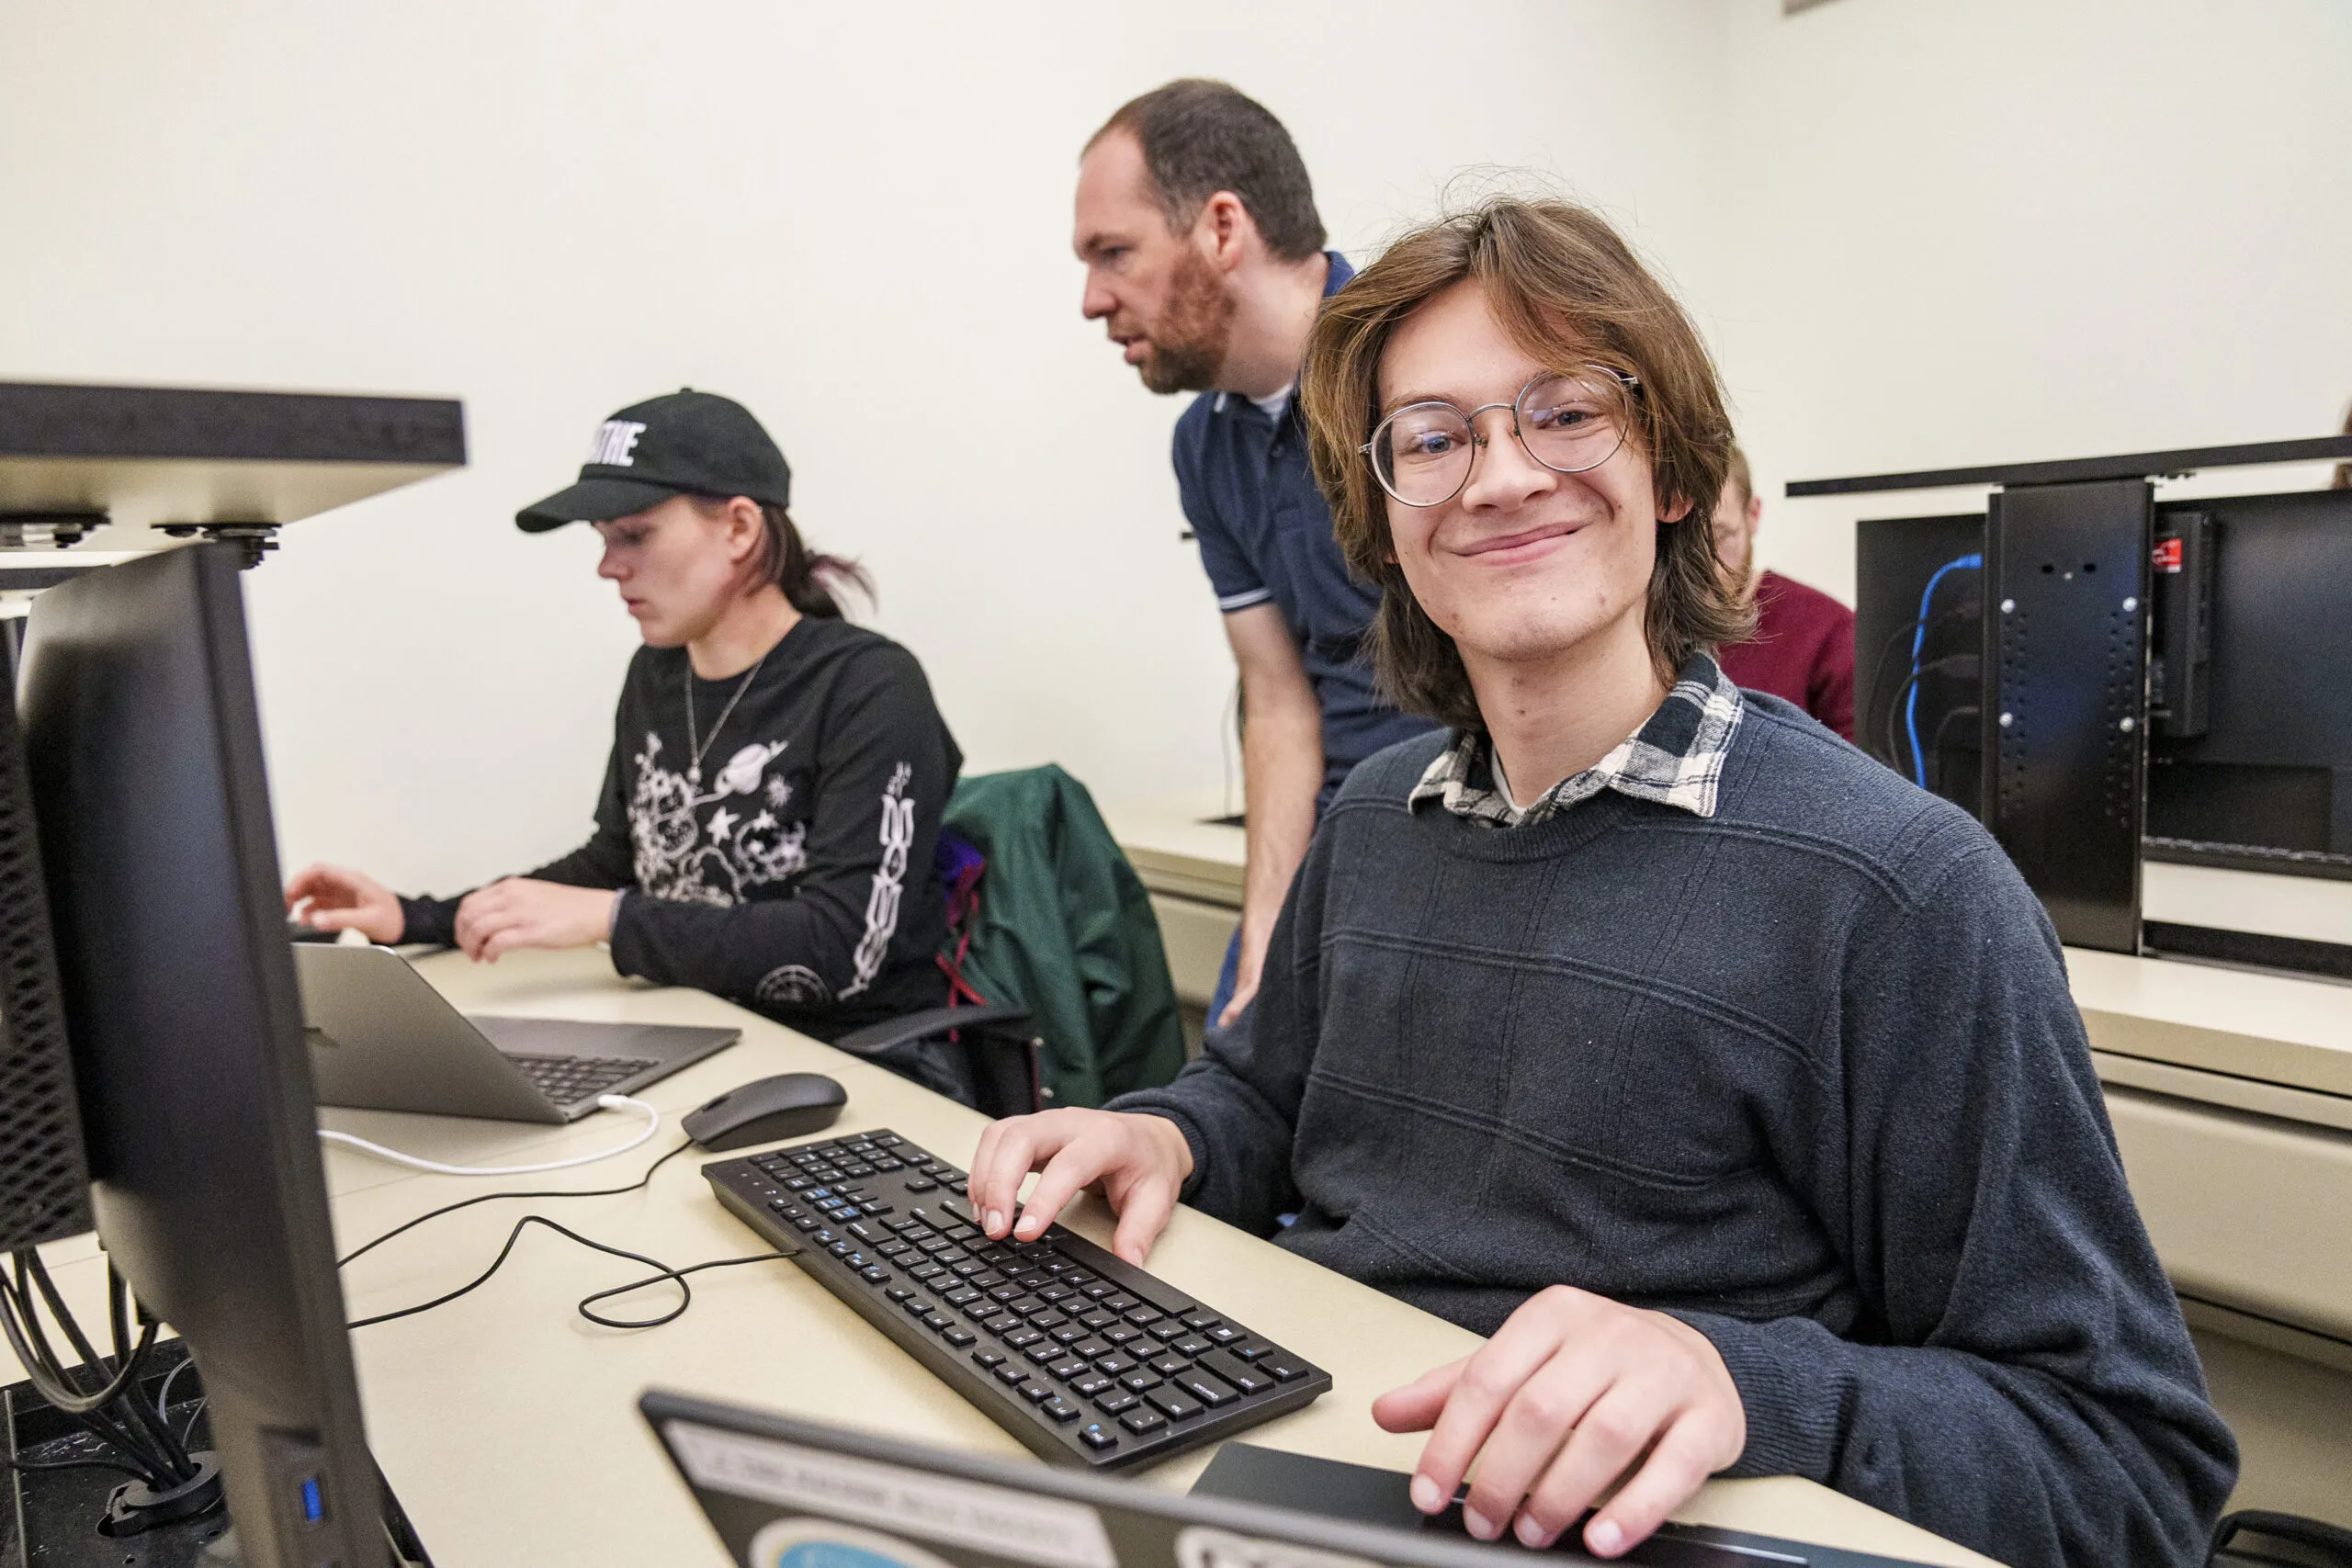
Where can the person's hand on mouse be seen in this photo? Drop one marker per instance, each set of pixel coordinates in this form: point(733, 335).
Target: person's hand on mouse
point(336, 898)
point(518, 912)
point(1573, 1393)
point(1139, 1163)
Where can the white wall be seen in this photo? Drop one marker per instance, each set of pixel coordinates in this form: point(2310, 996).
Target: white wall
point(2021, 229)
point(855, 218)
point(1920, 234)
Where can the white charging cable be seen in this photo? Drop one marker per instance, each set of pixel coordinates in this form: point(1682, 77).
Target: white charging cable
point(608, 1101)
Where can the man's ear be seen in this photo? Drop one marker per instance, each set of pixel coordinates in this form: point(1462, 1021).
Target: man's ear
point(1676, 509)
point(1225, 228)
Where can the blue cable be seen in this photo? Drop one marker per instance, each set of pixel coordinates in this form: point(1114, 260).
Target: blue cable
point(1919, 641)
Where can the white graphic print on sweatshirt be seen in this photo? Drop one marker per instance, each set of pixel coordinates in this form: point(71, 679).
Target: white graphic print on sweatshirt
point(792, 985)
point(716, 859)
point(889, 879)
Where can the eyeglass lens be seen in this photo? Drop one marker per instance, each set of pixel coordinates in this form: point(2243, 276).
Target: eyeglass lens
point(1423, 452)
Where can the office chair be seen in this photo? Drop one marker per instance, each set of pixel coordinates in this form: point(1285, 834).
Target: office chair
point(999, 1049)
point(1052, 953)
point(2289, 1541)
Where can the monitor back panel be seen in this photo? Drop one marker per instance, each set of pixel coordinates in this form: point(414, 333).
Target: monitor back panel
point(2066, 707)
point(44, 1183)
point(2267, 783)
point(144, 742)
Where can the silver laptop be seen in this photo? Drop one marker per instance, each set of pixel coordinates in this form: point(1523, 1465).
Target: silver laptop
point(383, 1038)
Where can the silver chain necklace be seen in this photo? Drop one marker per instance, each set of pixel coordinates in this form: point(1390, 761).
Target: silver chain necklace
point(694, 743)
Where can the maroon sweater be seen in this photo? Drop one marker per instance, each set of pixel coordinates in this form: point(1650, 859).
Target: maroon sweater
point(1803, 650)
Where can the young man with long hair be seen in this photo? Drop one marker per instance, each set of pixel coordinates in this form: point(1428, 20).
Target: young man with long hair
point(1731, 1084)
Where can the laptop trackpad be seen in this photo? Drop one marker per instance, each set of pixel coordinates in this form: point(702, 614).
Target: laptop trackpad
point(1355, 1492)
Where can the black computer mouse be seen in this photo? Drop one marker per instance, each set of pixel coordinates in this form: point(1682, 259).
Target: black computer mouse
point(766, 1111)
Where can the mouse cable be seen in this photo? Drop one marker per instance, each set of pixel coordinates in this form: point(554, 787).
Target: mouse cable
point(661, 1271)
point(641, 1181)
point(685, 1297)
point(608, 1101)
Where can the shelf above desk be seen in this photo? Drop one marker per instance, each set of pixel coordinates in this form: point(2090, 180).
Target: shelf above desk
point(108, 466)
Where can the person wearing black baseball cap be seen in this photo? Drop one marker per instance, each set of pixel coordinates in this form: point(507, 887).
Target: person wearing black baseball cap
point(768, 817)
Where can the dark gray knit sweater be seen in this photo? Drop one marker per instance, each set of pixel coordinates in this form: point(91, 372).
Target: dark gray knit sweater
point(1806, 1074)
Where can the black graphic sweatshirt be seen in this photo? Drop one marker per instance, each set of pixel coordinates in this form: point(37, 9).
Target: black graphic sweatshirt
point(791, 871)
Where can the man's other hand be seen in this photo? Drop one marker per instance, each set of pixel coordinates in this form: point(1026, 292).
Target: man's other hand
point(1573, 1393)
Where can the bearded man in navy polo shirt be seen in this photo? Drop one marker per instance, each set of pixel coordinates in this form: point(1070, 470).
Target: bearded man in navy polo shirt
point(1205, 259)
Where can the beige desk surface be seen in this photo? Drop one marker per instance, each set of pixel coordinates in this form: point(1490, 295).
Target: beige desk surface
point(508, 1424)
point(1177, 847)
point(2273, 1030)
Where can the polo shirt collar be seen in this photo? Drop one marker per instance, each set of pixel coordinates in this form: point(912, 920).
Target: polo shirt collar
point(1335, 278)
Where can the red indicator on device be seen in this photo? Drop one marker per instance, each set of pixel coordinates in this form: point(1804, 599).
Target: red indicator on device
point(2168, 555)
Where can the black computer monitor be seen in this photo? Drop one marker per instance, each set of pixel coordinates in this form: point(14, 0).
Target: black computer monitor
point(2249, 765)
point(143, 745)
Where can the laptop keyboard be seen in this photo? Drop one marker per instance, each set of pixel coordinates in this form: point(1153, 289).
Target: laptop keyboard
point(1084, 1358)
point(568, 1080)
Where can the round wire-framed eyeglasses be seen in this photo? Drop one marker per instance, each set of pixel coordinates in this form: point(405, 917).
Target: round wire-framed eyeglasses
point(1568, 420)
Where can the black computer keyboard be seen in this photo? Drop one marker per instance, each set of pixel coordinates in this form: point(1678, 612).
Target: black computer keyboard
point(568, 1080)
point(1085, 1358)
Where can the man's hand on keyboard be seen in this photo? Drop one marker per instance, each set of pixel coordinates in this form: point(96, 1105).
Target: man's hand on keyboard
point(1139, 1163)
point(1574, 1392)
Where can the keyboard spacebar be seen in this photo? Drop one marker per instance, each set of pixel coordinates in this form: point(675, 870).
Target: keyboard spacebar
point(1103, 1261)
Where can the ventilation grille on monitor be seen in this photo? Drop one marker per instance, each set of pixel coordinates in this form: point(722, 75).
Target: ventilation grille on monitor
point(44, 1184)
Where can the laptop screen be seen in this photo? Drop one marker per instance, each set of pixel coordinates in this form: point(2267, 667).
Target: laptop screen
point(788, 1493)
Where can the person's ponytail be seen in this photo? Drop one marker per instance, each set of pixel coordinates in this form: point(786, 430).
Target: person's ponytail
point(807, 580)
point(810, 580)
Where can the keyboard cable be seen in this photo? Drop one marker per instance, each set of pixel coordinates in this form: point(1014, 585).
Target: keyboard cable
point(607, 1101)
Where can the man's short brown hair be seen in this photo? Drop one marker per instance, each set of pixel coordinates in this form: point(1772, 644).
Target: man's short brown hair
point(1200, 137)
point(1570, 293)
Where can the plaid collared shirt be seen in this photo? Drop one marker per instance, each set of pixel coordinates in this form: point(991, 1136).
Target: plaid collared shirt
point(1676, 758)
